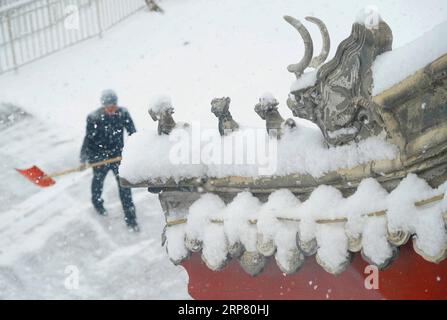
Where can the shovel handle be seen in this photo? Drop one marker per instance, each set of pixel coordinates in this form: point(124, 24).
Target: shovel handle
point(81, 168)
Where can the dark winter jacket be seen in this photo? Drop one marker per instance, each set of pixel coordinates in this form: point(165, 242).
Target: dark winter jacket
point(104, 137)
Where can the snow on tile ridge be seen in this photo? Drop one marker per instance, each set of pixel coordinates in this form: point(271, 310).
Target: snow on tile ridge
point(394, 66)
point(284, 226)
point(237, 216)
point(268, 99)
point(369, 17)
point(148, 155)
point(161, 103)
point(306, 80)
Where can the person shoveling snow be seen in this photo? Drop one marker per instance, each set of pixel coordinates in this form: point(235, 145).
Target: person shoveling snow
point(104, 140)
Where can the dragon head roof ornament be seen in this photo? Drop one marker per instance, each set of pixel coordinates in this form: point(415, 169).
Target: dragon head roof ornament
point(339, 101)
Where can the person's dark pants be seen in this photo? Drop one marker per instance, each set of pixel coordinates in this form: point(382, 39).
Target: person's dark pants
point(99, 174)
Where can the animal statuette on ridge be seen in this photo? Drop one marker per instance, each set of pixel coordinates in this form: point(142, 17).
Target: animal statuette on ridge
point(267, 109)
point(220, 107)
point(162, 112)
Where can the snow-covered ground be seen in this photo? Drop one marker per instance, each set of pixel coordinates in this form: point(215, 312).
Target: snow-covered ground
point(197, 50)
point(46, 232)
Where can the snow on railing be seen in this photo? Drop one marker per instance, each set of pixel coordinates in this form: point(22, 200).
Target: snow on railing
point(4, 3)
point(33, 29)
point(371, 221)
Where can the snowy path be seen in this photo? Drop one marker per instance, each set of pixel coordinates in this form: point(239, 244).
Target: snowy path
point(43, 231)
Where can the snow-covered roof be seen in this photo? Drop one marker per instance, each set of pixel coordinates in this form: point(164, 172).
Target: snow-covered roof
point(372, 221)
point(394, 66)
point(200, 151)
point(308, 79)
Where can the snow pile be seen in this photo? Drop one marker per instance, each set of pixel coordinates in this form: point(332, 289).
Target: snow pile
point(323, 203)
point(288, 255)
point(306, 80)
point(332, 253)
point(278, 203)
point(268, 99)
point(215, 247)
point(426, 222)
point(280, 234)
point(197, 151)
point(147, 154)
point(369, 17)
point(161, 103)
point(376, 248)
point(356, 207)
point(175, 245)
point(368, 233)
point(394, 66)
point(327, 224)
point(238, 220)
point(202, 234)
point(199, 212)
point(400, 202)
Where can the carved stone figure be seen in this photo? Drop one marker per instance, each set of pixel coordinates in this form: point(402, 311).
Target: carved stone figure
point(339, 101)
point(221, 109)
point(267, 109)
point(165, 120)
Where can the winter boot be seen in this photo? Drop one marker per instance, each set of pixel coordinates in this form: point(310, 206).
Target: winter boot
point(132, 226)
point(101, 211)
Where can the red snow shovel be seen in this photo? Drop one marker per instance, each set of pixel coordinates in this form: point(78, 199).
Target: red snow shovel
point(38, 177)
